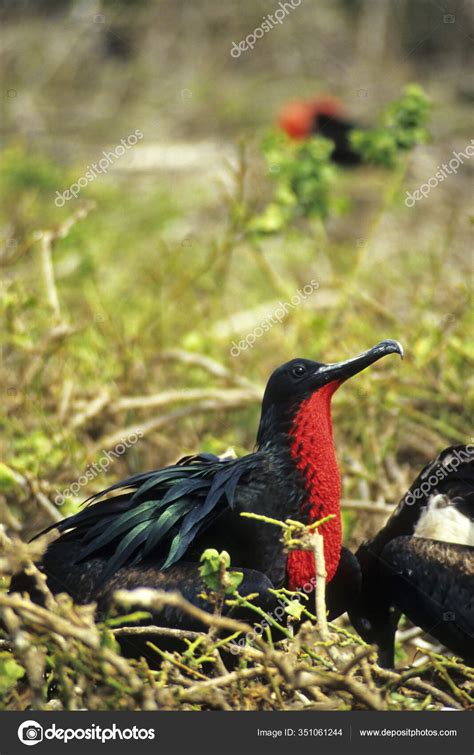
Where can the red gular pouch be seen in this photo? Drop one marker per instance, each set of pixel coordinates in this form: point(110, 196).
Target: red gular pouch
point(312, 448)
point(298, 119)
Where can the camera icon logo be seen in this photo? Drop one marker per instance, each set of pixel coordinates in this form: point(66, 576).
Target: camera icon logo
point(30, 732)
point(449, 616)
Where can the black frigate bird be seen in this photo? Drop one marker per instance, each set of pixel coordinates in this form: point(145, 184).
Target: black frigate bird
point(151, 529)
point(421, 563)
point(323, 116)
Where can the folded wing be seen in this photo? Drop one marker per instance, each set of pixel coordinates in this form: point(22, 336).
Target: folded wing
point(157, 514)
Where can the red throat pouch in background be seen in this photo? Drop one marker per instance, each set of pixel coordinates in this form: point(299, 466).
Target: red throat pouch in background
point(297, 118)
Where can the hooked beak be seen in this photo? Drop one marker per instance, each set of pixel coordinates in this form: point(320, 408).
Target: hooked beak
point(341, 371)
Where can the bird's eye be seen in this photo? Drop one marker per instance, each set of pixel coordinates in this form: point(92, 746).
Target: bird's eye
point(298, 371)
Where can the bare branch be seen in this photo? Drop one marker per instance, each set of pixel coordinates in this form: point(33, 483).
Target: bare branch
point(372, 507)
point(47, 240)
point(210, 365)
point(157, 423)
point(181, 396)
point(92, 409)
point(156, 599)
point(179, 634)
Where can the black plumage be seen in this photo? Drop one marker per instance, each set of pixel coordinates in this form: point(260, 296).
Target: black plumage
point(430, 580)
point(322, 116)
point(159, 513)
point(339, 131)
point(151, 529)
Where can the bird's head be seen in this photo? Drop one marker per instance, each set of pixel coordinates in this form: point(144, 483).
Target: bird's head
point(296, 424)
point(298, 118)
point(303, 386)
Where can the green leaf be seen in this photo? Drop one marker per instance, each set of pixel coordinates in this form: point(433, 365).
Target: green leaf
point(215, 574)
point(8, 479)
point(10, 673)
point(294, 609)
point(234, 579)
point(130, 618)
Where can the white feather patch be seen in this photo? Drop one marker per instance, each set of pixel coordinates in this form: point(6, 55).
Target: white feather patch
point(441, 520)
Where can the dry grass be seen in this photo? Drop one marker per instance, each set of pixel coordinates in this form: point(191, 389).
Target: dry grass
point(63, 659)
point(119, 312)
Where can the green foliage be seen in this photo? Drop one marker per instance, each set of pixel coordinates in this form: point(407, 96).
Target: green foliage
point(403, 126)
point(304, 177)
point(8, 479)
point(409, 116)
point(377, 145)
point(306, 182)
point(38, 451)
point(153, 269)
point(21, 171)
point(10, 673)
point(215, 572)
point(294, 609)
point(131, 618)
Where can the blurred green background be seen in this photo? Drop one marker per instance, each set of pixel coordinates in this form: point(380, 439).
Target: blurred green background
point(157, 256)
